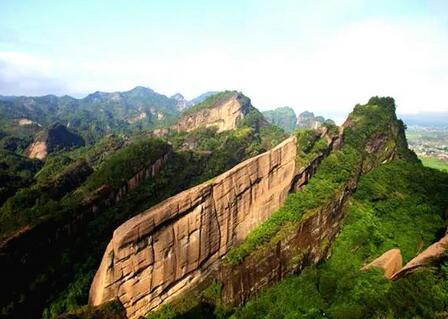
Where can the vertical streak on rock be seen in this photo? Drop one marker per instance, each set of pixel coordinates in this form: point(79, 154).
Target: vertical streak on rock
point(191, 231)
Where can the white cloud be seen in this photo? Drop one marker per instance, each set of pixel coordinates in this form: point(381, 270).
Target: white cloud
point(26, 74)
point(329, 75)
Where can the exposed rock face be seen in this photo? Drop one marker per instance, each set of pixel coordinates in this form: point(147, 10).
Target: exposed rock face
point(308, 243)
point(390, 262)
point(37, 149)
point(56, 138)
point(224, 116)
point(429, 255)
point(170, 247)
point(182, 103)
point(308, 120)
point(25, 121)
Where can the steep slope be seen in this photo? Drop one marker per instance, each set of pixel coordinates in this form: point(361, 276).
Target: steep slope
point(182, 238)
point(55, 138)
point(298, 234)
point(62, 219)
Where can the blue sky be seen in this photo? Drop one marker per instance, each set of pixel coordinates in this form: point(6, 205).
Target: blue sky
point(323, 56)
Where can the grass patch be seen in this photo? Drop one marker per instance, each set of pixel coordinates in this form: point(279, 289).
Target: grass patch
point(434, 163)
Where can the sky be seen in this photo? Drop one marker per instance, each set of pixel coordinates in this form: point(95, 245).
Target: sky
point(323, 56)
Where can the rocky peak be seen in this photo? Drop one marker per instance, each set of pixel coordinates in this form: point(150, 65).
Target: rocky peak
point(283, 117)
point(223, 110)
point(181, 102)
point(309, 120)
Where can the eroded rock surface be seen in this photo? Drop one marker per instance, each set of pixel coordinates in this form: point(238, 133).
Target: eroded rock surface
point(429, 255)
point(166, 250)
point(37, 149)
point(224, 116)
point(390, 262)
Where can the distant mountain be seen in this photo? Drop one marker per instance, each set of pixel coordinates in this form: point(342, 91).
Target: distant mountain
point(309, 120)
point(182, 102)
point(427, 119)
point(94, 116)
point(286, 118)
point(283, 117)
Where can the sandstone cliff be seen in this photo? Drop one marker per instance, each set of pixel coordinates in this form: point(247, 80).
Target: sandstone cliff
point(167, 249)
point(223, 112)
point(390, 262)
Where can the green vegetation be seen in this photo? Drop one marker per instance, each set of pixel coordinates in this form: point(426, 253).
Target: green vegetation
point(211, 101)
point(434, 163)
point(109, 310)
point(383, 214)
point(198, 156)
point(203, 302)
point(332, 175)
point(16, 172)
point(118, 168)
point(29, 204)
point(283, 117)
point(339, 168)
point(389, 202)
point(309, 145)
point(92, 117)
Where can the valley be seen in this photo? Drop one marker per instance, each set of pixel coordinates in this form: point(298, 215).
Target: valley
point(430, 144)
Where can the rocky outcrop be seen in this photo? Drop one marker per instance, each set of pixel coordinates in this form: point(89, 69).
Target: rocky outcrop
point(306, 244)
point(307, 120)
point(390, 262)
point(181, 102)
point(172, 247)
point(224, 115)
point(431, 254)
point(37, 149)
point(165, 250)
point(56, 138)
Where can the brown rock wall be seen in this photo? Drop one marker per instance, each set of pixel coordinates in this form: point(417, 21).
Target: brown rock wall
point(170, 247)
point(224, 116)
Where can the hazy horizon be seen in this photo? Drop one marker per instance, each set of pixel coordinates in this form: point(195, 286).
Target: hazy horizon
point(322, 56)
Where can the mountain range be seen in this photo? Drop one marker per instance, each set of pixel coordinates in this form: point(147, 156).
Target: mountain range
point(286, 118)
point(137, 205)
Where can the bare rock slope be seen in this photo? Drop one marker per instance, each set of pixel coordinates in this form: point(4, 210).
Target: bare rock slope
point(224, 113)
point(390, 262)
point(170, 247)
